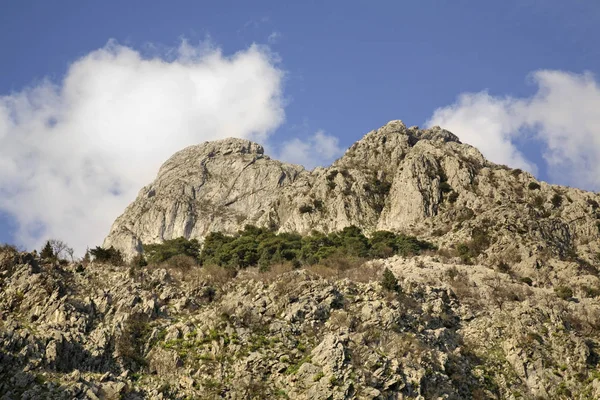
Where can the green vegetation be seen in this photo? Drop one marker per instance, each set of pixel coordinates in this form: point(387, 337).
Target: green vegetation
point(47, 251)
point(157, 253)
point(261, 247)
point(556, 200)
point(110, 255)
point(445, 187)
point(389, 281)
point(479, 242)
point(564, 292)
point(304, 209)
point(130, 344)
point(527, 280)
point(452, 197)
point(533, 186)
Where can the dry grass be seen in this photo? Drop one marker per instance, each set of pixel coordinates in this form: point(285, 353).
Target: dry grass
point(274, 272)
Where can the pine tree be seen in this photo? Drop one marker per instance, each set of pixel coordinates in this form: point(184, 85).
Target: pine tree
point(47, 251)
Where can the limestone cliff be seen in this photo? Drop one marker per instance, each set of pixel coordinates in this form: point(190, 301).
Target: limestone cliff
point(422, 182)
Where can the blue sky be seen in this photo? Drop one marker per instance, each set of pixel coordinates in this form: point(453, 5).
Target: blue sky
point(339, 70)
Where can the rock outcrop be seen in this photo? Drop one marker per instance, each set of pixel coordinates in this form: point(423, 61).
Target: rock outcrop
point(451, 331)
point(420, 182)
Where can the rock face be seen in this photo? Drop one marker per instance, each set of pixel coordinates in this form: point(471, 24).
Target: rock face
point(451, 331)
point(215, 186)
point(226, 184)
point(420, 182)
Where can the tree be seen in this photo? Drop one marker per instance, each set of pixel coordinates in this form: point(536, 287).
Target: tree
point(58, 249)
point(389, 281)
point(47, 251)
point(110, 255)
point(159, 252)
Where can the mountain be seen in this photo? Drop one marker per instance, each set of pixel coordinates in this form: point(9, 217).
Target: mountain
point(496, 297)
point(420, 182)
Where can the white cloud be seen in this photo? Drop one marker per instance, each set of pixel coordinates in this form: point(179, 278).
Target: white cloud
point(319, 149)
point(274, 37)
point(562, 114)
point(73, 154)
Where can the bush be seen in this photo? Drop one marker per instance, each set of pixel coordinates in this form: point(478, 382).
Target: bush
point(445, 187)
point(182, 262)
point(533, 186)
point(453, 197)
point(556, 200)
point(110, 255)
point(389, 281)
point(479, 242)
point(304, 209)
point(526, 280)
point(160, 252)
point(130, 343)
point(261, 247)
point(503, 267)
point(564, 292)
point(138, 261)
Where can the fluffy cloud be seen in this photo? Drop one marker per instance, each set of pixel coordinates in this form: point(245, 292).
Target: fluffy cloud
point(319, 149)
point(562, 115)
point(73, 154)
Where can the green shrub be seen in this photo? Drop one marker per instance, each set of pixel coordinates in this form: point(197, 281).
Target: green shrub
point(564, 292)
point(527, 280)
point(318, 204)
point(138, 261)
point(453, 197)
point(556, 200)
point(389, 281)
point(479, 242)
point(110, 255)
point(304, 209)
point(503, 267)
point(445, 187)
point(159, 252)
point(261, 247)
point(533, 186)
point(130, 343)
point(591, 291)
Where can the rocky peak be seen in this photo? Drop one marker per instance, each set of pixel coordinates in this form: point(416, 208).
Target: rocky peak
point(436, 133)
point(420, 182)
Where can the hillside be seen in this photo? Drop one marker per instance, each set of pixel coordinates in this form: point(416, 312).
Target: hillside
point(471, 281)
point(328, 331)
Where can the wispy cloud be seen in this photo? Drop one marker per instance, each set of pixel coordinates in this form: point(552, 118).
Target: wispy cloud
point(562, 115)
point(274, 37)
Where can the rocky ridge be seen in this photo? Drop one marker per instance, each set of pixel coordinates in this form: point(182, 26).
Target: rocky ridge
point(420, 182)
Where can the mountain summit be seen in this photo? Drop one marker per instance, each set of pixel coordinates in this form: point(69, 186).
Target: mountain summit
point(422, 182)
